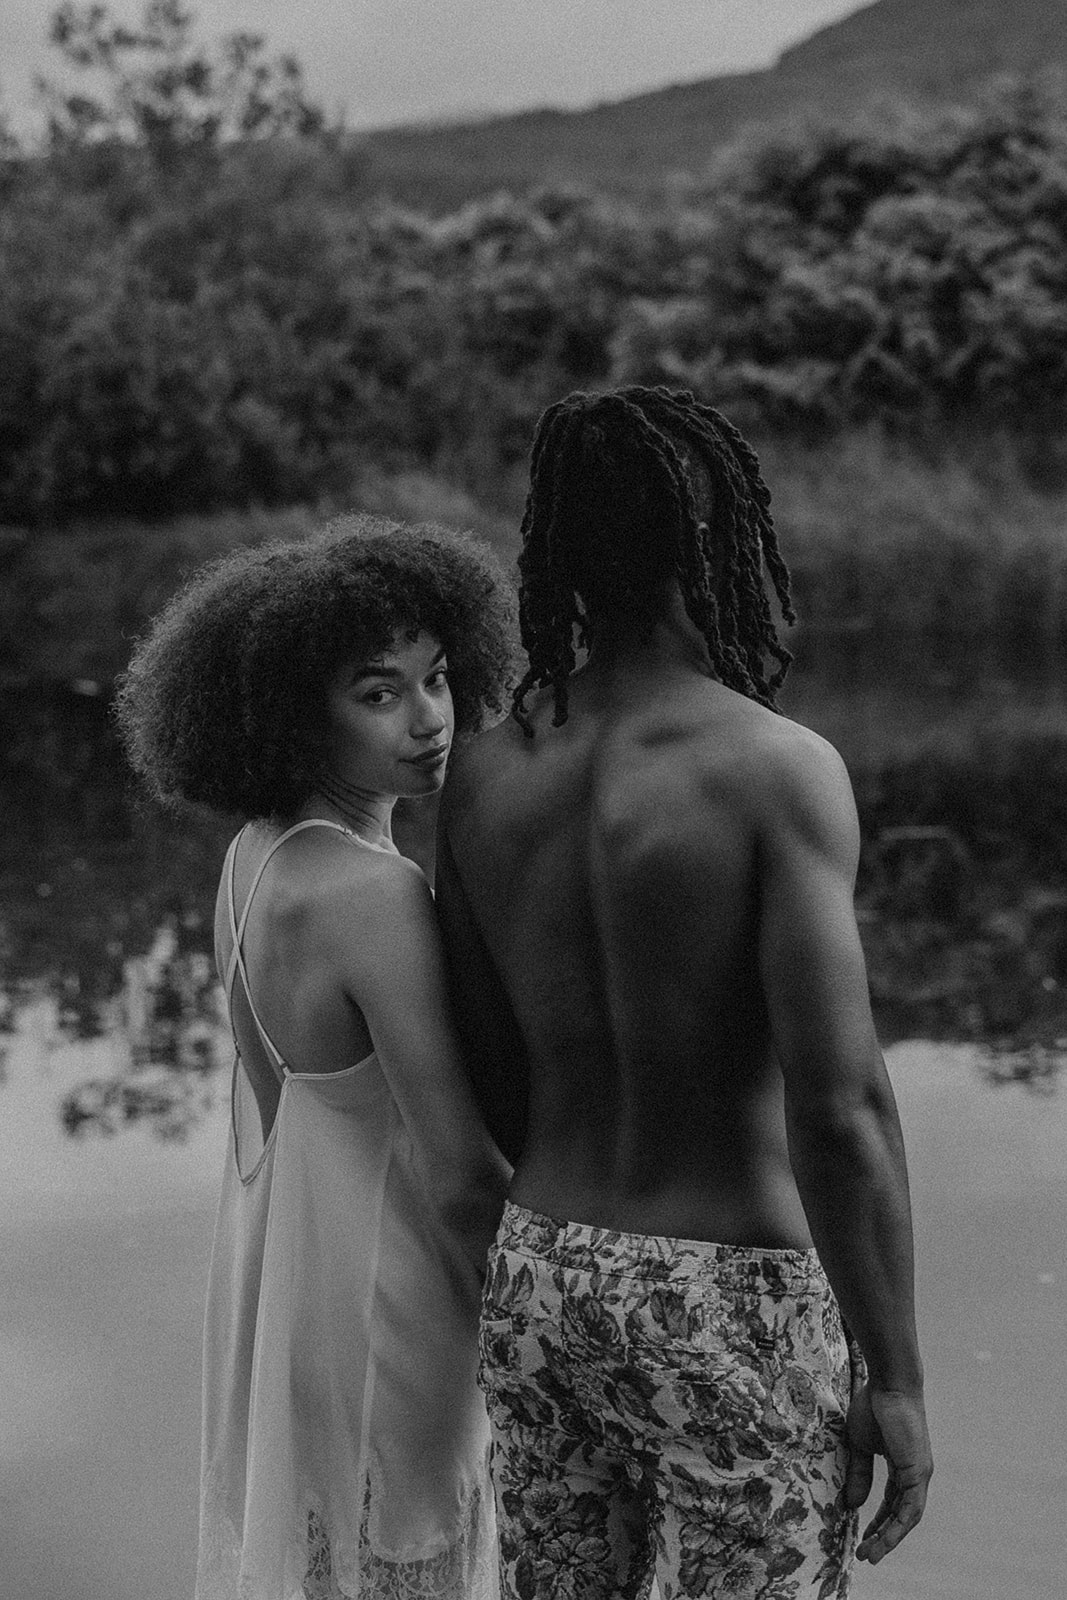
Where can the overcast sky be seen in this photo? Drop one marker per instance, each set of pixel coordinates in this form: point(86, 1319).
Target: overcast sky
point(386, 61)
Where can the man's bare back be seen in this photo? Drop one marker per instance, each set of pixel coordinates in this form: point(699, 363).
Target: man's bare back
point(612, 865)
point(616, 868)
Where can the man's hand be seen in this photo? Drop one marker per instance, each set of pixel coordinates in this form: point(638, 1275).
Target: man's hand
point(886, 1423)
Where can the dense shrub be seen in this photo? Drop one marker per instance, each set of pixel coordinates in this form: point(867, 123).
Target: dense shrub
point(909, 274)
point(248, 326)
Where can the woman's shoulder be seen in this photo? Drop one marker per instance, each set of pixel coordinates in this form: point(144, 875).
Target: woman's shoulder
point(348, 906)
point(363, 885)
point(326, 878)
point(375, 916)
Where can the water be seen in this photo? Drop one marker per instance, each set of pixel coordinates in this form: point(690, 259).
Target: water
point(113, 1094)
point(105, 1244)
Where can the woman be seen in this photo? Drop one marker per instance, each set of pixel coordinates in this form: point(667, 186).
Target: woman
point(307, 687)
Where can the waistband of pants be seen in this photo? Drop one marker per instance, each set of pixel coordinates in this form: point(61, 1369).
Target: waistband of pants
point(581, 1247)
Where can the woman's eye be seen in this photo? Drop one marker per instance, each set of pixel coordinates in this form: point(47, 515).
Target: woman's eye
point(438, 679)
point(378, 697)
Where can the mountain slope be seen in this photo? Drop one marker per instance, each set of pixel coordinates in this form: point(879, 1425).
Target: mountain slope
point(918, 50)
point(935, 44)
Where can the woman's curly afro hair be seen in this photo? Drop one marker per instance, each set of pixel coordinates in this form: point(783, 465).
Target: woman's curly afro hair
point(225, 701)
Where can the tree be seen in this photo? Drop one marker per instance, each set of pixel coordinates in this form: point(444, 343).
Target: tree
point(166, 93)
point(908, 275)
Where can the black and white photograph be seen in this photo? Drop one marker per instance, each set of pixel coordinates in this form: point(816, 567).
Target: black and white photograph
point(533, 779)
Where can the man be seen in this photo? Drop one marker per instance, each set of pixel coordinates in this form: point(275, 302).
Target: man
point(645, 884)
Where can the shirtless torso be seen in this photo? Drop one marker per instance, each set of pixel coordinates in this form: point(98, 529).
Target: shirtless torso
point(620, 870)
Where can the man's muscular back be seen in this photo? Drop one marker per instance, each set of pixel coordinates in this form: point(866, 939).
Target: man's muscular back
point(614, 869)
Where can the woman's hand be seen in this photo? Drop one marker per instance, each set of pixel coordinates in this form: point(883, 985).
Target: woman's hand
point(469, 1201)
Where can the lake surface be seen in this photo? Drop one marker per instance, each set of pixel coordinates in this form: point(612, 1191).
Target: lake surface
point(105, 1241)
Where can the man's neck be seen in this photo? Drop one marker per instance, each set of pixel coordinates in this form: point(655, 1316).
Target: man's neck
point(674, 640)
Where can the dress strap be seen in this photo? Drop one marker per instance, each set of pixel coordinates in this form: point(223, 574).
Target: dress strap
point(237, 929)
point(231, 965)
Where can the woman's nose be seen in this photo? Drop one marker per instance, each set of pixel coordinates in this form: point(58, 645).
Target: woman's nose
point(428, 719)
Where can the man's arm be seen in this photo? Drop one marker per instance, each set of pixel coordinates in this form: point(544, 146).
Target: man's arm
point(493, 1050)
point(845, 1141)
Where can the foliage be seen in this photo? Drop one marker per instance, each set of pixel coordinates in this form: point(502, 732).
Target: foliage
point(259, 329)
point(164, 92)
point(907, 273)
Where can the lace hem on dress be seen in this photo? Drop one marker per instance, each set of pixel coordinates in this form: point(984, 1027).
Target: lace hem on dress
point(465, 1569)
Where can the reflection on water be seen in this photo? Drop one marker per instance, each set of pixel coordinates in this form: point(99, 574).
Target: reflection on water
point(168, 1014)
point(106, 917)
point(106, 905)
point(1037, 1066)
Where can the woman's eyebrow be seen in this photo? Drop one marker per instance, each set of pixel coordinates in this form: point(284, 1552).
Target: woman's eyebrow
point(375, 669)
point(378, 669)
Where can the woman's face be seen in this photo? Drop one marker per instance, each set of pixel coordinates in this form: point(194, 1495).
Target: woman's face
point(391, 719)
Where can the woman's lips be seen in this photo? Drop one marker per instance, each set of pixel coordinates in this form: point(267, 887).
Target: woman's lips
point(430, 758)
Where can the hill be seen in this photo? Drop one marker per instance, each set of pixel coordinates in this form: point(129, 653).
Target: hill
point(920, 51)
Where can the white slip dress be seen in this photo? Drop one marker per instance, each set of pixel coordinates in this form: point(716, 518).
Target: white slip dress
point(345, 1443)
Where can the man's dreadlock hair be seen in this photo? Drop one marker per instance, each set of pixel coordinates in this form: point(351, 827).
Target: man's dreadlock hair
point(613, 514)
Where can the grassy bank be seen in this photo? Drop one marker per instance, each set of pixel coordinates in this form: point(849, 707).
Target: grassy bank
point(72, 602)
point(887, 542)
point(882, 542)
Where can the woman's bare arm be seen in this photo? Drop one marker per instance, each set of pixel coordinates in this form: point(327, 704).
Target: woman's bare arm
point(393, 970)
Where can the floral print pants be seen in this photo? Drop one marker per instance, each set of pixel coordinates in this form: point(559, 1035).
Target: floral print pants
point(664, 1407)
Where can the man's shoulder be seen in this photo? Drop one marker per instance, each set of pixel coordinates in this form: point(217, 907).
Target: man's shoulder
point(487, 745)
point(771, 744)
point(741, 762)
point(721, 737)
point(785, 765)
point(475, 762)
point(798, 787)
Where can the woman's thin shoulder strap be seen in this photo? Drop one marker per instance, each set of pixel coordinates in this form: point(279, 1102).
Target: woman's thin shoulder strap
point(227, 873)
point(237, 929)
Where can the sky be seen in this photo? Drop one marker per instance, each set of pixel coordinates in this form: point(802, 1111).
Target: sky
point(388, 61)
